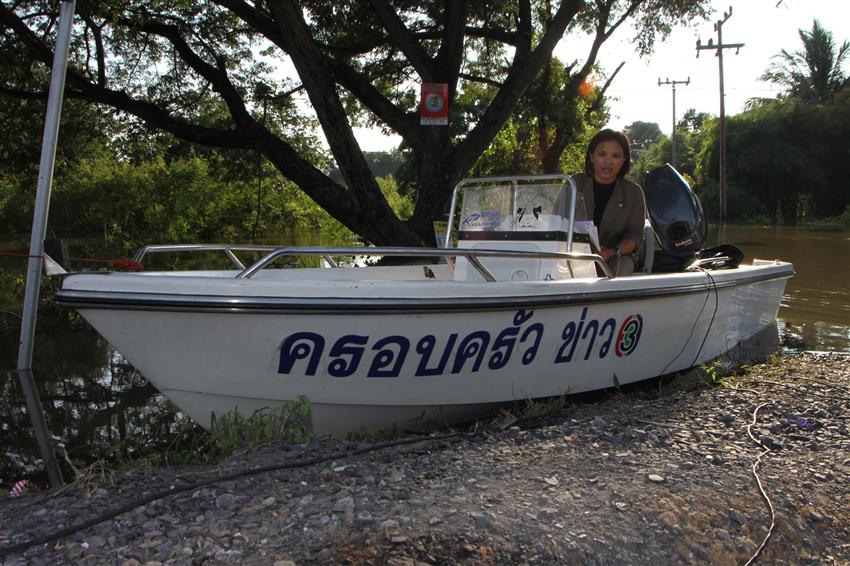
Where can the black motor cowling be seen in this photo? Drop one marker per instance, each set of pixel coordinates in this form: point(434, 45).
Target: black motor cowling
point(674, 211)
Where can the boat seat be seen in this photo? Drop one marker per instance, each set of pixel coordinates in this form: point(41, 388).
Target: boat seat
point(522, 269)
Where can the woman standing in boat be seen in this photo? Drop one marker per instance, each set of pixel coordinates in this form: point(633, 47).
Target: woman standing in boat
point(617, 205)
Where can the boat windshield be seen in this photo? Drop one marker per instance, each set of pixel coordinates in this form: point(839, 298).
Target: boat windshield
point(521, 208)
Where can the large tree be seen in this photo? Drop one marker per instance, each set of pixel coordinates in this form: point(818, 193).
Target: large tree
point(814, 73)
point(642, 134)
point(357, 62)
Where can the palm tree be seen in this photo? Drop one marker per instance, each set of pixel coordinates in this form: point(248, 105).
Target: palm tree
point(813, 73)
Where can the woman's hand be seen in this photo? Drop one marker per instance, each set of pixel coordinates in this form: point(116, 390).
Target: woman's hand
point(625, 247)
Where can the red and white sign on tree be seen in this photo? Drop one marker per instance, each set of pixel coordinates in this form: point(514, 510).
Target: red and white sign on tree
point(434, 104)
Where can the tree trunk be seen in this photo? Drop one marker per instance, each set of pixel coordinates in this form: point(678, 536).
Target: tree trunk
point(436, 182)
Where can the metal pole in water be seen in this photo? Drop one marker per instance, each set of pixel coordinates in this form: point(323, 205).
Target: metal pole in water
point(39, 230)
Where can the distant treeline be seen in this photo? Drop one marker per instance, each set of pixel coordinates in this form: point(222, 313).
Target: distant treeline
point(130, 186)
point(787, 161)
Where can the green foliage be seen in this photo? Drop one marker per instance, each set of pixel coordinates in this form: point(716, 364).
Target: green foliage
point(402, 205)
point(289, 423)
point(381, 164)
point(183, 200)
point(233, 431)
point(844, 218)
point(366, 435)
point(787, 161)
point(642, 134)
point(516, 150)
point(792, 157)
point(652, 21)
point(717, 373)
point(512, 152)
point(529, 409)
point(208, 72)
point(815, 73)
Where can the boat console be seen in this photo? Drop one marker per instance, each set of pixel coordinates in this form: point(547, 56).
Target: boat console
point(531, 214)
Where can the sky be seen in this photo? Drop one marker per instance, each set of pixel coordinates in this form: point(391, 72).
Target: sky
point(763, 27)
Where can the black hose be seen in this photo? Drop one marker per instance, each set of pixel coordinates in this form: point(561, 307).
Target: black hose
point(6, 550)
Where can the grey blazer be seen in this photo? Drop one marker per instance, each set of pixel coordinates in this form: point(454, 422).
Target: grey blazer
point(624, 216)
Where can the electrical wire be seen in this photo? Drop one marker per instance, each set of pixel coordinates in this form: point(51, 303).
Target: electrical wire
point(696, 321)
point(764, 452)
point(713, 314)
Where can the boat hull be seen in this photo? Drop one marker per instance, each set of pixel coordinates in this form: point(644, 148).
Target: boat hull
point(373, 354)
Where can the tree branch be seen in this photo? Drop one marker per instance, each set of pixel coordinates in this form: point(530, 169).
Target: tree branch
point(404, 39)
point(525, 29)
point(600, 95)
point(500, 35)
point(254, 18)
point(481, 80)
point(522, 72)
point(216, 75)
point(247, 135)
point(599, 38)
point(629, 11)
point(100, 57)
point(450, 55)
point(23, 94)
point(366, 202)
point(372, 98)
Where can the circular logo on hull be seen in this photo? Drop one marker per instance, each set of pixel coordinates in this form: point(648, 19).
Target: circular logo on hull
point(629, 335)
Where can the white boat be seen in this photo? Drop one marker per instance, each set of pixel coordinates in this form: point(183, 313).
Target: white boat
point(514, 311)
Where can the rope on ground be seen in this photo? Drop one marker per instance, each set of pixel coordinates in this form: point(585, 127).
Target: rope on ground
point(122, 263)
point(795, 388)
point(824, 382)
point(764, 452)
point(6, 550)
point(16, 254)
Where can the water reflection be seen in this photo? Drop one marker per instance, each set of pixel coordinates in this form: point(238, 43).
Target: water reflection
point(90, 399)
point(99, 409)
point(95, 404)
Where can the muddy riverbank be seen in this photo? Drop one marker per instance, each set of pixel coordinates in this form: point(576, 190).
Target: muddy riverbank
point(630, 479)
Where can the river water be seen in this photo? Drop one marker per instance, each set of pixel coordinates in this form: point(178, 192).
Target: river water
point(816, 304)
point(101, 409)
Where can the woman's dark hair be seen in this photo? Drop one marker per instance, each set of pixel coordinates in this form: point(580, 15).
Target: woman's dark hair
point(608, 135)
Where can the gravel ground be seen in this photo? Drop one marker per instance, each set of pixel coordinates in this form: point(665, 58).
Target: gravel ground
point(628, 479)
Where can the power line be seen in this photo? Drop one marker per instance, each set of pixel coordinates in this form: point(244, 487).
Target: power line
point(673, 83)
point(719, 47)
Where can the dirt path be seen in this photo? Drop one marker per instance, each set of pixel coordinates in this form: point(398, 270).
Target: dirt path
point(623, 480)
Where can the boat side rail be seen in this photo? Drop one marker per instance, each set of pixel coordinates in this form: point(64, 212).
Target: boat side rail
point(228, 250)
point(471, 255)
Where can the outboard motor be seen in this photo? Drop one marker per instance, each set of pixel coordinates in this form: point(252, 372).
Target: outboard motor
point(674, 210)
point(676, 216)
point(679, 223)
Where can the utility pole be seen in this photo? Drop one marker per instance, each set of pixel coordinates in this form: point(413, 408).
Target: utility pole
point(673, 84)
point(719, 47)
